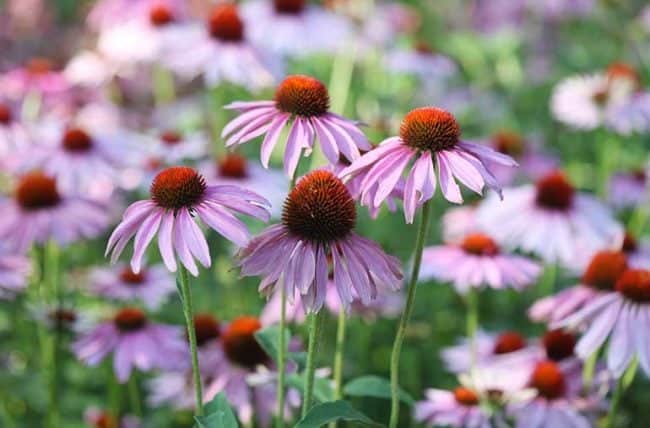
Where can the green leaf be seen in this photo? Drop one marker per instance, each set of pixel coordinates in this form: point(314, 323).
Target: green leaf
point(374, 386)
point(323, 391)
point(268, 339)
point(218, 414)
point(332, 411)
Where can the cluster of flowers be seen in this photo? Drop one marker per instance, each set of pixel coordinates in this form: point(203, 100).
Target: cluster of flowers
point(76, 149)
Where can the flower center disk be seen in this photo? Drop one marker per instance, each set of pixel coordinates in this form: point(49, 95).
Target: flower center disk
point(225, 24)
point(604, 270)
point(548, 379)
point(160, 15)
point(37, 191)
point(554, 192)
point(507, 342)
point(289, 6)
point(77, 140)
point(131, 278)
point(302, 96)
point(62, 317)
point(39, 65)
point(509, 143)
point(177, 187)
point(319, 208)
point(480, 244)
point(430, 128)
point(634, 284)
point(5, 114)
point(233, 166)
point(465, 396)
point(206, 327)
point(558, 344)
point(240, 345)
point(171, 138)
point(130, 319)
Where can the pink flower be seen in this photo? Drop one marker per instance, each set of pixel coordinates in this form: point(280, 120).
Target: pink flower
point(628, 189)
point(476, 262)
point(599, 277)
point(39, 212)
point(317, 222)
point(458, 222)
point(622, 316)
point(460, 408)
point(179, 197)
point(151, 286)
point(551, 220)
point(108, 13)
point(14, 271)
point(303, 102)
point(134, 341)
point(219, 51)
point(431, 136)
point(36, 77)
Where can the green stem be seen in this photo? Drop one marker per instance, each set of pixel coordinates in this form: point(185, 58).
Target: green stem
point(186, 298)
point(113, 394)
point(547, 287)
point(54, 295)
point(472, 325)
point(406, 315)
point(613, 407)
point(163, 86)
point(588, 370)
point(314, 330)
point(338, 358)
point(134, 395)
point(282, 362)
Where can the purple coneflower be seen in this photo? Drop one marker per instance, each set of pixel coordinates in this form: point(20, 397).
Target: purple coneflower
point(36, 77)
point(551, 220)
point(135, 342)
point(172, 146)
point(629, 189)
point(459, 408)
point(620, 315)
point(476, 262)
point(599, 277)
point(14, 271)
point(317, 222)
point(150, 286)
point(458, 222)
point(302, 102)
point(109, 13)
point(179, 197)
point(431, 136)
point(39, 212)
point(422, 61)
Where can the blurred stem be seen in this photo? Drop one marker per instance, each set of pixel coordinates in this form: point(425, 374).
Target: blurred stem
point(51, 279)
point(472, 324)
point(282, 362)
point(547, 286)
point(588, 371)
point(638, 219)
point(186, 298)
point(5, 415)
point(113, 393)
point(338, 358)
point(163, 85)
point(134, 395)
point(310, 369)
point(406, 315)
point(613, 407)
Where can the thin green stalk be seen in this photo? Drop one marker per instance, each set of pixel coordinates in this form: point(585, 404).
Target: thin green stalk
point(472, 324)
point(588, 370)
point(338, 358)
point(5, 415)
point(186, 297)
point(282, 362)
point(113, 393)
point(164, 90)
point(314, 330)
point(547, 286)
point(134, 395)
point(406, 315)
point(54, 295)
point(613, 407)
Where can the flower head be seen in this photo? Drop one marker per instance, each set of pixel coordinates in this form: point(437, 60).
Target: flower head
point(180, 197)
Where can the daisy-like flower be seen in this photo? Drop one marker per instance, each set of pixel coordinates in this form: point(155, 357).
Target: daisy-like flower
point(219, 51)
point(235, 169)
point(109, 13)
point(151, 286)
point(621, 316)
point(422, 61)
point(629, 189)
point(460, 408)
point(302, 102)
point(14, 271)
point(294, 28)
point(431, 136)
point(551, 220)
point(475, 262)
point(172, 146)
point(317, 222)
point(558, 403)
point(180, 197)
point(36, 77)
point(62, 318)
point(599, 277)
point(39, 212)
point(458, 222)
point(584, 102)
point(98, 418)
point(632, 116)
point(135, 342)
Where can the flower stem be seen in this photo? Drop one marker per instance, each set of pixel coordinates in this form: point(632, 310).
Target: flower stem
point(588, 371)
point(472, 325)
point(134, 395)
point(51, 278)
point(338, 358)
point(113, 393)
point(308, 393)
point(282, 362)
point(613, 407)
point(406, 315)
point(186, 297)
point(163, 86)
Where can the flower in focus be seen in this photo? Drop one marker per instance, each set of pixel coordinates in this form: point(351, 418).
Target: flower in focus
point(150, 286)
point(135, 342)
point(317, 222)
point(620, 315)
point(475, 262)
point(431, 136)
point(36, 78)
point(14, 271)
point(303, 102)
point(235, 169)
point(39, 212)
point(552, 220)
point(295, 28)
point(219, 50)
point(458, 408)
point(599, 277)
point(180, 196)
point(628, 189)
point(422, 61)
